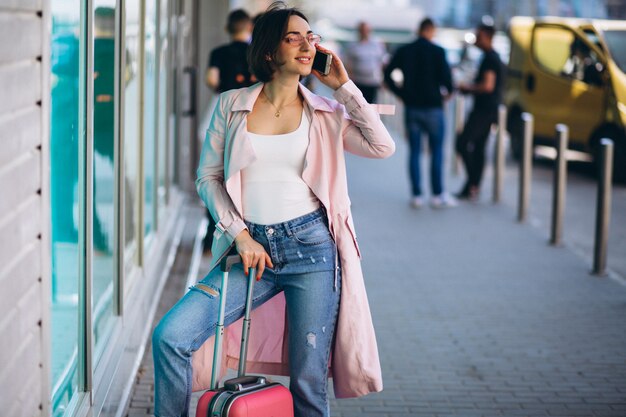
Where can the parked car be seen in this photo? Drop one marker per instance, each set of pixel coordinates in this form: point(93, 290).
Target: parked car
point(571, 71)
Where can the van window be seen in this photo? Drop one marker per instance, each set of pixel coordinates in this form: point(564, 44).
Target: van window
point(616, 42)
point(561, 52)
point(551, 48)
point(593, 37)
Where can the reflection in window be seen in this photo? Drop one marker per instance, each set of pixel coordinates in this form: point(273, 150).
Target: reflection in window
point(131, 130)
point(104, 173)
point(149, 114)
point(64, 137)
point(163, 116)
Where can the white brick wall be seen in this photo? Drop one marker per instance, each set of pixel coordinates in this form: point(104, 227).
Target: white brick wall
point(24, 290)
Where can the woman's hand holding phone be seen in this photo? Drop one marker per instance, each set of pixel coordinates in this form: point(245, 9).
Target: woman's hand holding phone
point(337, 76)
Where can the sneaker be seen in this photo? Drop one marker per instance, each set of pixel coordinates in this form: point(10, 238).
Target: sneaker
point(469, 194)
point(443, 201)
point(474, 194)
point(417, 202)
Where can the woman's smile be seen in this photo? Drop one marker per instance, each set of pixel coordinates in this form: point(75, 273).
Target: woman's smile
point(304, 59)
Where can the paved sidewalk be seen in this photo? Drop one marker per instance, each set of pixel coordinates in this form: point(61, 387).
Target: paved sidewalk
point(475, 314)
point(142, 397)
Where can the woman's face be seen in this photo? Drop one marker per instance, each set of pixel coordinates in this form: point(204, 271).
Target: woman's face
point(295, 58)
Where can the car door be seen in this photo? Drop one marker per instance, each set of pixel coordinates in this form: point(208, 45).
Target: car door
point(565, 83)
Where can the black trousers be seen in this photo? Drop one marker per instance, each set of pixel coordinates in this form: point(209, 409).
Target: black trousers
point(470, 144)
point(208, 238)
point(369, 92)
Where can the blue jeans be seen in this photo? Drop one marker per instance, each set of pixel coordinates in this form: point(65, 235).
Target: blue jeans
point(430, 121)
point(304, 257)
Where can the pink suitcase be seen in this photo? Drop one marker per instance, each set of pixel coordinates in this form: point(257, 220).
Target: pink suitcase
point(246, 395)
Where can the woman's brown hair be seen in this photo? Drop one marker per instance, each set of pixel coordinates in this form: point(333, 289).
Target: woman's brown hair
point(269, 31)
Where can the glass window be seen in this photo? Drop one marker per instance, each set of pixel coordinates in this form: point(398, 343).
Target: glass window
point(64, 138)
point(561, 52)
point(131, 131)
point(583, 64)
point(104, 270)
point(551, 48)
point(616, 42)
point(162, 111)
point(592, 37)
point(150, 106)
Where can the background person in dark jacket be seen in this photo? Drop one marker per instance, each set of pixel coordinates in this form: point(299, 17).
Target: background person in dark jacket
point(425, 72)
point(487, 92)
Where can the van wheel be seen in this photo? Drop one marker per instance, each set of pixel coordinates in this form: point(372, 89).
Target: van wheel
point(619, 151)
point(516, 132)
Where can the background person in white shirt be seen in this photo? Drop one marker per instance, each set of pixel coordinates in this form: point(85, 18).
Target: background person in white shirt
point(364, 61)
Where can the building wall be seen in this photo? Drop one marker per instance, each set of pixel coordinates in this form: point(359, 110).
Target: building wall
point(23, 231)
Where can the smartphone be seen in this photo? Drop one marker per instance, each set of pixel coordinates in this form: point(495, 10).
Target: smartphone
point(322, 62)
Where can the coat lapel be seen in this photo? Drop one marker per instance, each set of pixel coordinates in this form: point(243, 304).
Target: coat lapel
point(313, 174)
point(238, 151)
point(238, 156)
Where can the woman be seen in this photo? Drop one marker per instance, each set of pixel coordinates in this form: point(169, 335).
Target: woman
point(272, 174)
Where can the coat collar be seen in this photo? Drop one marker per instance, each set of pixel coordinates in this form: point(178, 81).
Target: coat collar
point(246, 99)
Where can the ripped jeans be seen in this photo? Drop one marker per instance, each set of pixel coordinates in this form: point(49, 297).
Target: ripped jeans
point(306, 269)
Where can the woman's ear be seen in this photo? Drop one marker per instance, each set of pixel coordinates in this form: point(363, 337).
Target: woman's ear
point(268, 57)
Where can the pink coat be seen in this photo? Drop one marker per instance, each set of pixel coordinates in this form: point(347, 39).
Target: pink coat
point(350, 124)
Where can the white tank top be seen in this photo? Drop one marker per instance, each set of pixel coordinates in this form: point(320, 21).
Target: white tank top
point(273, 189)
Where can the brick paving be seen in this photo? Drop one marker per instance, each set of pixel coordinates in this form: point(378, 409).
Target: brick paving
point(475, 315)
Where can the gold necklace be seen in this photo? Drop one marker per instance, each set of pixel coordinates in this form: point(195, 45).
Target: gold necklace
point(277, 114)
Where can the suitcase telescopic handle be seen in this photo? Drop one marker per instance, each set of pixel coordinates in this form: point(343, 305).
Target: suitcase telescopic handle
point(245, 383)
point(229, 261)
point(226, 265)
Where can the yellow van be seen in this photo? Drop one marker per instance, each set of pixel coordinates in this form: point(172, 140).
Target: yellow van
point(571, 71)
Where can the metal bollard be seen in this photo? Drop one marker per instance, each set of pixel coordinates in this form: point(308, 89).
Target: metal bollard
point(603, 207)
point(560, 179)
point(459, 124)
point(498, 177)
point(525, 167)
point(459, 113)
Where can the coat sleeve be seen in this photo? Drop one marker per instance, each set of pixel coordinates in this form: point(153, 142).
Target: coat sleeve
point(363, 132)
point(210, 181)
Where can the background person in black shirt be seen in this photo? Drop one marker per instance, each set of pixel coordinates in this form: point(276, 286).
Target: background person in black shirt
point(487, 91)
point(228, 66)
point(228, 69)
point(426, 72)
